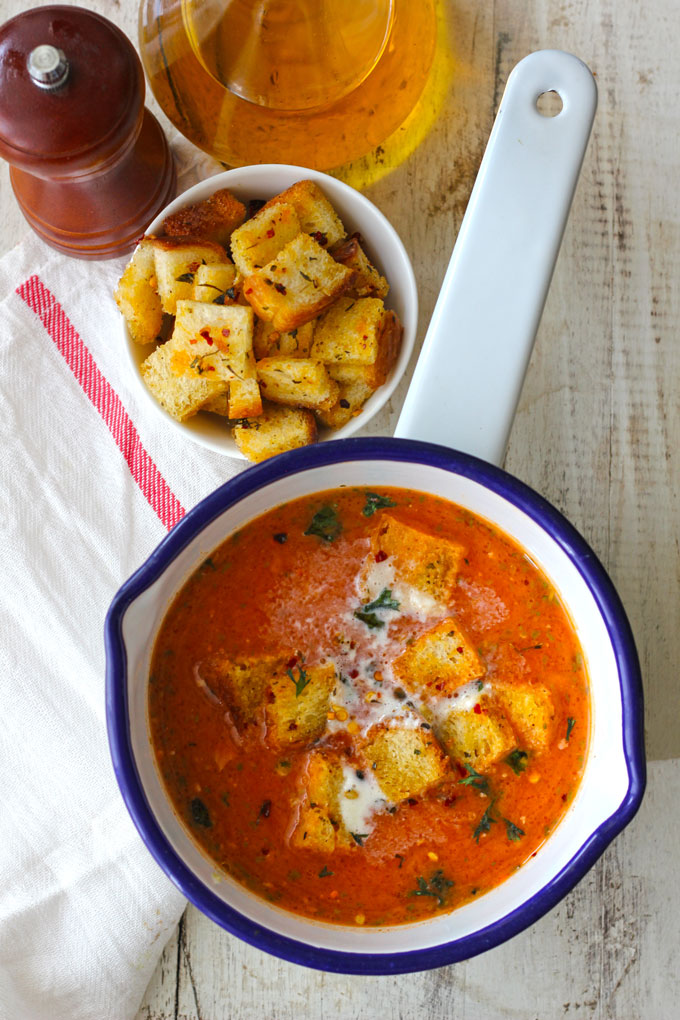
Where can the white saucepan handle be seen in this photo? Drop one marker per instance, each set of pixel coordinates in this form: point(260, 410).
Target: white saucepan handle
point(468, 379)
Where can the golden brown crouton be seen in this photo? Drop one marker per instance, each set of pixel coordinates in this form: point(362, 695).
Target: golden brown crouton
point(367, 281)
point(261, 238)
point(276, 430)
point(245, 400)
point(182, 376)
point(215, 283)
point(137, 295)
point(438, 662)
point(297, 286)
point(177, 262)
point(426, 560)
point(476, 738)
point(368, 378)
point(296, 382)
point(226, 331)
point(297, 704)
point(269, 343)
point(405, 762)
point(320, 825)
point(353, 391)
point(315, 213)
point(211, 220)
point(241, 683)
point(349, 331)
point(531, 711)
point(218, 404)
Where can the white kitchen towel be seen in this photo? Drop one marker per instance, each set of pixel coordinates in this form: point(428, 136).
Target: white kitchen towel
point(91, 480)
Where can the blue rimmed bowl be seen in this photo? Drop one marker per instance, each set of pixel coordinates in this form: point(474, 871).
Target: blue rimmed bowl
point(614, 774)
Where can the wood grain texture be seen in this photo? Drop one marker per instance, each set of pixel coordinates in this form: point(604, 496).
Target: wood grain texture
point(598, 433)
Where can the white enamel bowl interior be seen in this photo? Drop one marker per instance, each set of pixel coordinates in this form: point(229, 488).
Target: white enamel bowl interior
point(382, 244)
point(601, 791)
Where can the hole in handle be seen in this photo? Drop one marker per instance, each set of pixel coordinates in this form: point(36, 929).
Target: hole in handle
point(549, 104)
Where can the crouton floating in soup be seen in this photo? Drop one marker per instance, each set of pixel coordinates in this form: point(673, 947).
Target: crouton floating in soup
point(369, 707)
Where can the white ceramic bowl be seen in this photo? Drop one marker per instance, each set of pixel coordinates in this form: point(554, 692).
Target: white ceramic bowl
point(613, 782)
point(383, 247)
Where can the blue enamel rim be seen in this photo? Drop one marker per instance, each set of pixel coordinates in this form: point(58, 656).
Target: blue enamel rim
point(577, 550)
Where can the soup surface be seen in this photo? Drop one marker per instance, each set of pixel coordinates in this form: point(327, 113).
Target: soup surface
point(368, 706)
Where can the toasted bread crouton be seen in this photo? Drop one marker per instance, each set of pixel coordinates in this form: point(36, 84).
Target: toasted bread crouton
point(177, 262)
point(316, 214)
point(297, 286)
point(427, 561)
point(320, 825)
point(240, 683)
point(367, 281)
point(406, 762)
point(297, 704)
point(269, 343)
point(353, 391)
point(211, 220)
point(245, 400)
point(349, 331)
point(531, 711)
point(182, 376)
point(438, 662)
point(296, 382)
point(276, 430)
point(215, 283)
point(474, 738)
point(225, 330)
point(261, 238)
point(218, 404)
point(137, 295)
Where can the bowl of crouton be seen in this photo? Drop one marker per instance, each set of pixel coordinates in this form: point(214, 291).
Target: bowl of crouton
point(267, 308)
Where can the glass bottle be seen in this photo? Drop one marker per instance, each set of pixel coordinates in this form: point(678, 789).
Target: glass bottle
point(314, 82)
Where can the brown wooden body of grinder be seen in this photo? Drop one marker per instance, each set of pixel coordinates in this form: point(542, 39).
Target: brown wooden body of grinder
point(90, 166)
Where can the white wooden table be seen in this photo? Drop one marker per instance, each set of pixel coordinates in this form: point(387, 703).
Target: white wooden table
point(598, 433)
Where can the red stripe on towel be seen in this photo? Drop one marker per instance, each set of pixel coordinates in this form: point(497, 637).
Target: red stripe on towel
point(98, 389)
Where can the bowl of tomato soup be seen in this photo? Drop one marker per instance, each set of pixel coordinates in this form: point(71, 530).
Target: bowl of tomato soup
point(374, 706)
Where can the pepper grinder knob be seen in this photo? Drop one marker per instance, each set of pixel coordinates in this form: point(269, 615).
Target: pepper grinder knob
point(89, 165)
point(48, 67)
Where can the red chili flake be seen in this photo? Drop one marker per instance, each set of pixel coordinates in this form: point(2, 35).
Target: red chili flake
point(205, 333)
point(249, 291)
point(280, 288)
point(292, 726)
point(271, 232)
point(193, 267)
point(354, 673)
point(226, 332)
point(460, 650)
point(209, 368)
point(319, 236)
point(380, 556)
point(264, 851)
point(477, 709)
point(564, 796)
point(364, 337)
point(449, 801)
point(292, 662)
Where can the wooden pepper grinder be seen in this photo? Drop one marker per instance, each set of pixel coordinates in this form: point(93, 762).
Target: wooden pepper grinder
point(90, 166)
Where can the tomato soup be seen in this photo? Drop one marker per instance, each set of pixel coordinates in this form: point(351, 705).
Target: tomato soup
point(368, 706)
